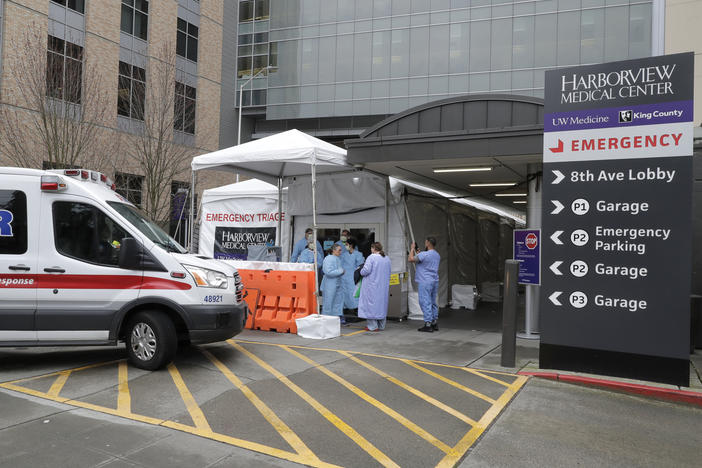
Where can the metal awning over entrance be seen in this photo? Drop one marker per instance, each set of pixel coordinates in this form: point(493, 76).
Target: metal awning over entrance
point(492, 138)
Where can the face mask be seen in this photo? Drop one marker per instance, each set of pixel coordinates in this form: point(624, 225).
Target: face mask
point(343, 239)
point(311, 245)
point(309, 237)
point(349, 248)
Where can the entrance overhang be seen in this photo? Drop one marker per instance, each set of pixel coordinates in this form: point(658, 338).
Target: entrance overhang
point(501, 132)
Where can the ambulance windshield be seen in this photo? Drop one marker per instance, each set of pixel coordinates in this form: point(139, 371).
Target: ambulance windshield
point(147, 227)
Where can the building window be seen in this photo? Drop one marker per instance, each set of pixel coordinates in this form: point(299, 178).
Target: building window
point(131, 92)
point(180, 211)
point(76, 5)
point(129, 186)
point(135, 15)
point(64, 70)
point(184, 108)
point(186, 44)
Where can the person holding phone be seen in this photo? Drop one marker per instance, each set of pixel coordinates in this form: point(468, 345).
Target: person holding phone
point(427, 278)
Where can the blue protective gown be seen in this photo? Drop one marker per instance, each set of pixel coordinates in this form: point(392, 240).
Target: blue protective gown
point(349, 263)
point(375, 288)
point(301, 246)
point(332, 292)
point(307, 256)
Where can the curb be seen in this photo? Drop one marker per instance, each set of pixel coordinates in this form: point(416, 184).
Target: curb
point(667, 394)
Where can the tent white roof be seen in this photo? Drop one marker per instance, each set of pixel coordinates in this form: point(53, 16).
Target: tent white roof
point(285, 154)
point(245, 189)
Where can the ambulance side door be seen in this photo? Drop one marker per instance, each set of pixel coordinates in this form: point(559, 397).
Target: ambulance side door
point(19, 240)
point(82, 286)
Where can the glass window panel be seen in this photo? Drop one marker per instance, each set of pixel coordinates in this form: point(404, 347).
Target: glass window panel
point(399, 88)
point(258, 98)
point(544, 6)
point(481, 13)
point(420, 20)
point(344, 52)
point(261, 25)
point(260, 37)
point(138, 73)
point(138, 100)
point(501, 44)
point(363, 26)
point(418, 86)
point(438, 85)
point(362, 56)
point(192, 49)
point(419, 6)
point(440, 5)
point(125, 69)
point(243, 39)
point(325, 93)
point(126, 19)
point(343, 108)
point(141, 23)
point(263, 9)
point(362, 90)
point(439, 50)
point(399, 65)
point(287, 73)
point(192, 30)
point(244, 66)
point(500, 81)
point(458, 84)
point(362, 107)
point(364, 9)
point(539, 77)
point(142, 5)
point(616, 33)
point(568, 4)
point(569, 38)
point(398, 105)
point(523, 79)
point(246, 11)
point(327, 30)
point(640, 31)
point(327, 11)
point(380, 89)
point(524, 8)
point(344, 10)
point(343, 91)
point(419, 58)
point(400, 7)
point(259, 49)
point(381, 54)
point(327, 59)
point(479, 82)
point(259, 62)
point(310, 31)
point(245, 28)
point(460, 15)
point(545, 33)
point(344, 28)
point(458, 47)
point(381, 8)
point(180, 43)
point(123, 92)
point(441, 17)
point(310, 57)
point(460, 3)
point(479, 54)
point(523, 42)
point(182, 25)
point(379, 107)
point(592, 3)
point(592, 36)
point(310, 12)
point(77, 5)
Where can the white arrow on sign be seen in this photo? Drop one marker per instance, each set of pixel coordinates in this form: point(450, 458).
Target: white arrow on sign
point(558, 207)
point(559, 176)
point(555, 239)
point(554, 267)
point(554, 298)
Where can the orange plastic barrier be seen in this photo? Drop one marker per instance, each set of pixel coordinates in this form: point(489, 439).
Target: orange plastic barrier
point(276, 298)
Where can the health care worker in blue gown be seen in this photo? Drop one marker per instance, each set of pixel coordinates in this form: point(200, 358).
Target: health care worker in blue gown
point(375, 287)
point(332, 291)
point(427, 278)
point(351, 259)
point(301, 245)
point(307, 255)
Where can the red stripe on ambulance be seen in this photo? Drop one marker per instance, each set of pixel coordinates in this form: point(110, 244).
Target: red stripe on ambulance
point(90, 282)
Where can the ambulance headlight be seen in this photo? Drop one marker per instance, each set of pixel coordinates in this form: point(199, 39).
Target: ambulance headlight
point(205, 278)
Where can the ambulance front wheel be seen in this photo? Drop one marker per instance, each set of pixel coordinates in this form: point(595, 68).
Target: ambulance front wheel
point(151, 340)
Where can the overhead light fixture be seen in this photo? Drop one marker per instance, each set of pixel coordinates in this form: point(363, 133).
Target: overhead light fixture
point(515, 194)
point(495, 184)
point(519, 202)
point(461, 169)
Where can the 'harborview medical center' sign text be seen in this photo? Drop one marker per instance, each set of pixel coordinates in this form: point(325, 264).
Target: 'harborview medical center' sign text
point(617, 211)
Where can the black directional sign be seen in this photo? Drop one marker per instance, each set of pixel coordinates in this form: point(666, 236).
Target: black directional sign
point(617, 219)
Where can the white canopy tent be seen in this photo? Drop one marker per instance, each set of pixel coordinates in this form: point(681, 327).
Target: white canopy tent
point(274, 159)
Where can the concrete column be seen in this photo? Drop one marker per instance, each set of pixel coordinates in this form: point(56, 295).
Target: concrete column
point(535, 189)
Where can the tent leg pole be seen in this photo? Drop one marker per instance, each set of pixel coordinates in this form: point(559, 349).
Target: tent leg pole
point(280, 213)
point(314, 228)
point(191, 248)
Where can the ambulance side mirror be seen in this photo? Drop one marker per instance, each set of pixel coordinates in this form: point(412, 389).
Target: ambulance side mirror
point(130, 254)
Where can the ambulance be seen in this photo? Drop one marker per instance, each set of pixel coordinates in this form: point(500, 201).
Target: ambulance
point(80, 265)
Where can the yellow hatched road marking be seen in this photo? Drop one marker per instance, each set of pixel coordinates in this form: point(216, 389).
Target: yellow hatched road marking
point(469, 439)
point(449, 381)
point(193, 408)
point(350, 432)
point(124, 400)
point(412, 390)
point(282, 428)
point(358, 353)
point(480, 374)
point(381, 406)
point(37, 377)
point(58, 384)
point(355, 333)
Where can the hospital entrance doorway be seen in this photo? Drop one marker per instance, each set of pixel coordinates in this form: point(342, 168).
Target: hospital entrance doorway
point(365, 235)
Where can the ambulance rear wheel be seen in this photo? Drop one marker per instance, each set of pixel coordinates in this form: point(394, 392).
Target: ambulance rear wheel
point(151, 340)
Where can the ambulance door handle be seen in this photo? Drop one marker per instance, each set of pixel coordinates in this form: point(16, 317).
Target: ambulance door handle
point(19, 268)
point(54, 270)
